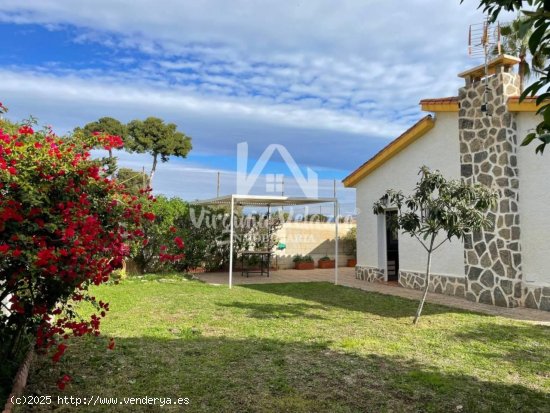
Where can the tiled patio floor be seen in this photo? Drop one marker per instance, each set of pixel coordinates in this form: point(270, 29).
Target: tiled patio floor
point(347, 278)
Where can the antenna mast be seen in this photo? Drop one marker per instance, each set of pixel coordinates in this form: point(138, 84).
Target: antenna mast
point(484, 41)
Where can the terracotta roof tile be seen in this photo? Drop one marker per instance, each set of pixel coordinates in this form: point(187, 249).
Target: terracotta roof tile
point(450, 99)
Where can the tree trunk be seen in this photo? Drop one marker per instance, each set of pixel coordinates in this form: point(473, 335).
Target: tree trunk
point(153, 169)
point(521, 72)
point(423, 300)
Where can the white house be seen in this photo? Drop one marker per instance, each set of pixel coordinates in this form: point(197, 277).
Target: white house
point(508, 265)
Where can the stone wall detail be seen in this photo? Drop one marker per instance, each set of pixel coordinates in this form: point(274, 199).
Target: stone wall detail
point(488, 155)
point(441, 284)
point(536, 296)
point(369, 274)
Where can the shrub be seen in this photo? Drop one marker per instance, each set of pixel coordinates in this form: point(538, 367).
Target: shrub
point(161, 249)
point(302, 258)
point(64, 225)
point(350, 242)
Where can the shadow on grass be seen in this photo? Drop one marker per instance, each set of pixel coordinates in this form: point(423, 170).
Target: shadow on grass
point(290, 310)
point(352, 299)
point(262, 375)
point(525, 346)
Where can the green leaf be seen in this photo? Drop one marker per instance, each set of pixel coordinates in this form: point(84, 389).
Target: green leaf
point(528, 139)
point(536, 37)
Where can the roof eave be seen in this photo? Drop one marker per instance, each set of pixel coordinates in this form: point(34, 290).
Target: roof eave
point(397, 145)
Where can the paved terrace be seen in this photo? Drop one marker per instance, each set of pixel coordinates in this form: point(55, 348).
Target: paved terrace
point(347, 278)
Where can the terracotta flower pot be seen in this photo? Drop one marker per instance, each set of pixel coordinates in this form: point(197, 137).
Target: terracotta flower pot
point(352, 262)
point(326, 263)
point(304, 265)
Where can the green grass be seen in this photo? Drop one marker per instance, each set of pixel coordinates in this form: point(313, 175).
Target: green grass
point(310, 347)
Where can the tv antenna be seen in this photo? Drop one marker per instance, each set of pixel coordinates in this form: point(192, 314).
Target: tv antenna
point(484, 41)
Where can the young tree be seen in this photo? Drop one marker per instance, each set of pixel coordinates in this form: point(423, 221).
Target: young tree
point(438, 206)
point(157, 138)
point(537, 20)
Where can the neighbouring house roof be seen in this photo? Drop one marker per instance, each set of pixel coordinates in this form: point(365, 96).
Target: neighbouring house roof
point(405, 139)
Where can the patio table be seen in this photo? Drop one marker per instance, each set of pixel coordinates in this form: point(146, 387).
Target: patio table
point(264, 258)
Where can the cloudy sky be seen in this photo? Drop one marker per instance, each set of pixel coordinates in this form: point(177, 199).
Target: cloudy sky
point(333, 82)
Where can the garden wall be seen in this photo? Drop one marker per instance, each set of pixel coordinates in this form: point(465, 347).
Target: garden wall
point(310, 238)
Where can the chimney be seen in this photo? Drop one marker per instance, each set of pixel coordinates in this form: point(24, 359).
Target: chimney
point(488, 155)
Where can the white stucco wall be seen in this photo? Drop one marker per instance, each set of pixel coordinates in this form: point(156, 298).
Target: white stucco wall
point(438, 149)
point(534, 205)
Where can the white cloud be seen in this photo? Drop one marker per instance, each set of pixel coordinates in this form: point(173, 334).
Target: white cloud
point(108, 92)
point(329, 80)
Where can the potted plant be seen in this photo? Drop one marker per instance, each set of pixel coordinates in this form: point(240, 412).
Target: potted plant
point(326, 262)
point(350, 246)
point(303, 262)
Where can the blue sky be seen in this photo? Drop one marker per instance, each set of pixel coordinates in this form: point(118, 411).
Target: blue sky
point(333, 82)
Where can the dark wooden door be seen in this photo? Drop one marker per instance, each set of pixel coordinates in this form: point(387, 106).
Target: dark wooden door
point(392, 246)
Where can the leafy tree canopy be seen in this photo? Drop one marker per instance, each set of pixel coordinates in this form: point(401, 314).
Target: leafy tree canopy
point(159, 139)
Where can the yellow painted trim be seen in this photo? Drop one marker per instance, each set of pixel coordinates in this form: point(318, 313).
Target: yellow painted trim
point(529, 106)
point(407, 138)
point(439, 107)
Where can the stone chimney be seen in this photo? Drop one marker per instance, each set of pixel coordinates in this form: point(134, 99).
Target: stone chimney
point(488, 155)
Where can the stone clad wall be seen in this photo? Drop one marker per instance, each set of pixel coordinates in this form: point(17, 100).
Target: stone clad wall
point(488, 155)
point(440, 284)
point(369, 274)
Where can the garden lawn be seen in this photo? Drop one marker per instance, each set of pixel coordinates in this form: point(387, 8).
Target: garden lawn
point(304, 347)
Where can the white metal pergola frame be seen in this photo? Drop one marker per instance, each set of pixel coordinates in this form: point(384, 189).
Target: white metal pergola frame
point(269, 201)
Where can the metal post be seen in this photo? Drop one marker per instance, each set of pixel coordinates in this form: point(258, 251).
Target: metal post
point(231, 244)
point(218, 186)
point(336, 241)
point(268, 239)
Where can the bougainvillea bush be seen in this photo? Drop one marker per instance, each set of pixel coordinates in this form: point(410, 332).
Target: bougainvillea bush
point(64, 225)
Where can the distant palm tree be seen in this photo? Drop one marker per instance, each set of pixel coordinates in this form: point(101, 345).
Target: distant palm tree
point(516, 45)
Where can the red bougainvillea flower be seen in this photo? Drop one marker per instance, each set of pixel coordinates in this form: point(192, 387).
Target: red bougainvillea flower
point(63, 381)
point(112, 141)
point(26, 130)
point(149, 215)
point(60, 350)
point(179, 242)
point(111, 344)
